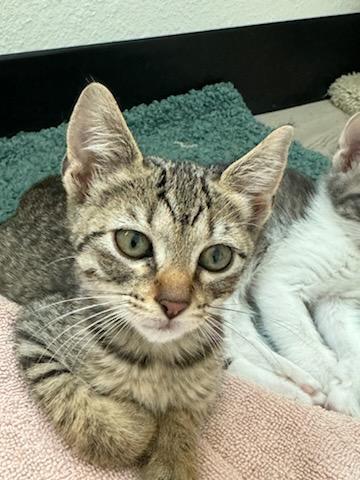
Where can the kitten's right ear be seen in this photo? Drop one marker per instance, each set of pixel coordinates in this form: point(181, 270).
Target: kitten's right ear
point(258, 174)
point(98, 141)
point(348, 153)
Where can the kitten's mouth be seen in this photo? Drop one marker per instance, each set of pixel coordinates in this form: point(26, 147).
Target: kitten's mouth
point(163, 326)
point(161, 330)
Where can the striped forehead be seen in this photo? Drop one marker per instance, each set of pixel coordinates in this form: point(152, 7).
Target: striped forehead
point(170, 199)
point(182, 186)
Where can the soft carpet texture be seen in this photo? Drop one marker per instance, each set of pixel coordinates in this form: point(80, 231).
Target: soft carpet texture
point(212, 125)
point(345, 93)
point(252, 435)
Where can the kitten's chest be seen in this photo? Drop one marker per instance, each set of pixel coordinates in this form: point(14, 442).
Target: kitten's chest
point(159, 387)
point(344, 280)
point(336, 270)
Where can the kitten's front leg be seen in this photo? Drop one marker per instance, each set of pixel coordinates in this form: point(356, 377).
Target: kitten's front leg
point(173, 456)
point(288, 323)
point(338, 321)
point(274, 382)
point(254, 360)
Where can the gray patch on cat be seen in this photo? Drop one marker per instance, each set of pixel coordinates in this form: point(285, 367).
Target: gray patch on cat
point(292, 199)
point(344, 192)
point(36, 257)
point(291, 202)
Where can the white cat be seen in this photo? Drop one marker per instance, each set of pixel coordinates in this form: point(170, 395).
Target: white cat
point(305, 283)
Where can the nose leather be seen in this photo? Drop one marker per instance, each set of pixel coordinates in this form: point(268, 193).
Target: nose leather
point(172, 309)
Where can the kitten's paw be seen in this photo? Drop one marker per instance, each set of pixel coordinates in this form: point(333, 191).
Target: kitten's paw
point(303, 394)
point(319, 374)
point(290, 381)
point(290, 390)
point(343, 399)
point(317, 396)
point(306, 383)
point(156, 470)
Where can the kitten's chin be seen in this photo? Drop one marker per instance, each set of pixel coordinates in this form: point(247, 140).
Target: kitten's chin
point(162, 333)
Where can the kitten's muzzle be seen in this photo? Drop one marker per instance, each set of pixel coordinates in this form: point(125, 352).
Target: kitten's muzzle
point(173, 291)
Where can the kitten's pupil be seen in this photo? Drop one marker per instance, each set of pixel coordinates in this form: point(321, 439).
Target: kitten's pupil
point(134, 241)
point(216, 256)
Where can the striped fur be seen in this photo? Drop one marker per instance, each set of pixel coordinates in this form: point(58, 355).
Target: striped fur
point(108, 395)
point(119, 387)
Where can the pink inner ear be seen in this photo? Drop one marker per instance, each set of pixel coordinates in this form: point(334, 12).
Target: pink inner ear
point(77, 178)
point(349, 153)
point(355, 156)
point(83, 179)
point(350, 158)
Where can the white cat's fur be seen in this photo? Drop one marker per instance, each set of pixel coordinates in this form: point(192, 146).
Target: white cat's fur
point(307, 289)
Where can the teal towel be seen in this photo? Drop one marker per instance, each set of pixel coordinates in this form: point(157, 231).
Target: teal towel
point(212, 125)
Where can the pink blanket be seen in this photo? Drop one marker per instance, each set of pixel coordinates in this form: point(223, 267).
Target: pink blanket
point(252, 435)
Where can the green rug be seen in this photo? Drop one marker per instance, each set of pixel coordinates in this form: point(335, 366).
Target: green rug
point(212, 125)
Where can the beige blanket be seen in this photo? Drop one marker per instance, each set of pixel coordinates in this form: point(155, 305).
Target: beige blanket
point(252, 435)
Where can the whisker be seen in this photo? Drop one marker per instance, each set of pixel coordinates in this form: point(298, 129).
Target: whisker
point(117, 322)
point(208, 332)
point(112, 317)
point(62, 259)
point(94, 297)
point(198, 331)
point(271, 357)
point(87, 328)
point(74, 326)
point(226, 309)
point(298, 334)
point(69, 314)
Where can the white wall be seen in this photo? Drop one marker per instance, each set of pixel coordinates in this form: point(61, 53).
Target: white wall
point(27, 25)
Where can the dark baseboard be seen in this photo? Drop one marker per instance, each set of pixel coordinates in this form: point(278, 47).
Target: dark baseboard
point(274, 66)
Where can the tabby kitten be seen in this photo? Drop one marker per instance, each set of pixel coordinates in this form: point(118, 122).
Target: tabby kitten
point(305, 281)
point(128, 366)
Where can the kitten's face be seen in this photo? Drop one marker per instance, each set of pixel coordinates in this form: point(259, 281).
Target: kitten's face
point(167, 233)
point(344, 179)
point(161, 245)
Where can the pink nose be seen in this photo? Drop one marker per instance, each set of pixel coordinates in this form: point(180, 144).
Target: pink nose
point(172, 309)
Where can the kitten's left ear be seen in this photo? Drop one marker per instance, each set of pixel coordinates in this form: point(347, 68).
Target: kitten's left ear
point(98, 140)
point(258, 174)
point(348, 153)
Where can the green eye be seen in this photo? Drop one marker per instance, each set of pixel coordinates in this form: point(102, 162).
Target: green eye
point(133, 244)
point(216, 258)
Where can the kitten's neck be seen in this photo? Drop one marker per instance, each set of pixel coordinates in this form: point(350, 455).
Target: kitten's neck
point(192, 347)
